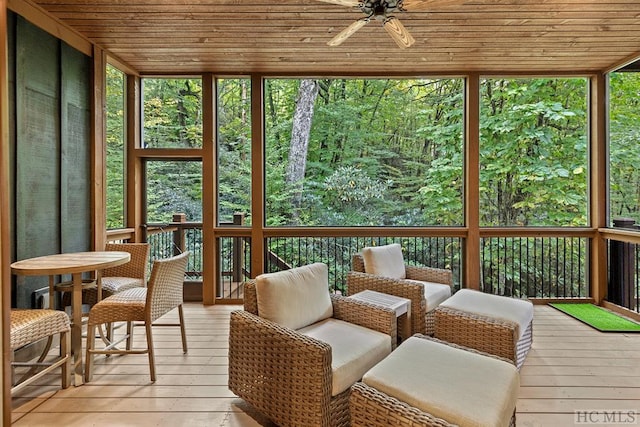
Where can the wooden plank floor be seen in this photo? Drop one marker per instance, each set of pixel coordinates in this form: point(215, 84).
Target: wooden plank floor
point(570, 368)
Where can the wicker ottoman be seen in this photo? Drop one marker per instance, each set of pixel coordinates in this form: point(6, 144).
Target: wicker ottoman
point(490, 323)
point(428, 382)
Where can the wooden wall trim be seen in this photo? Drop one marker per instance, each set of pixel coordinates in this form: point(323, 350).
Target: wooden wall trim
point(98, 151)
point(620, 235)
point(628, 60)
point(210, 249)
point(120, 65)
point(598, 185)
point(5, 235)
point(257, 175)
point(37, 16)
point(168, 153)
point(134, 179)
point(471, 277)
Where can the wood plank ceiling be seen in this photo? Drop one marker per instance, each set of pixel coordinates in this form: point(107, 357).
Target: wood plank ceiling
point(290, 36)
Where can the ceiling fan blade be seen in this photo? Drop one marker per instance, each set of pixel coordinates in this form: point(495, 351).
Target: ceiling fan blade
point(429, 4)
point(347, 32)
point(398, 32)
point(348, 3)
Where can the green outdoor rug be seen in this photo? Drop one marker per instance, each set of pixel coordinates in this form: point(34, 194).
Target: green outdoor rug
point(598, 317)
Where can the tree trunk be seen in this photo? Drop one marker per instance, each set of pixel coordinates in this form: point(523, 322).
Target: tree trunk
point(300, 131)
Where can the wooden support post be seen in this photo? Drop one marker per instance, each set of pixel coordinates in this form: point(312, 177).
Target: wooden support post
point(179, 241)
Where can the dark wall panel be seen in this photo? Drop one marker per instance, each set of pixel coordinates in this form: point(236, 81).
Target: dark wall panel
point(37, 146)
point(51, 207)
point(76, 154)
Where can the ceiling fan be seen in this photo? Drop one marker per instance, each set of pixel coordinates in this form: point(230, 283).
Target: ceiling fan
point(383, 11)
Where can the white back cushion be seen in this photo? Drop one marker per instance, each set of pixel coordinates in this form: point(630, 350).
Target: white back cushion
point(295, 298)
point(386, 261)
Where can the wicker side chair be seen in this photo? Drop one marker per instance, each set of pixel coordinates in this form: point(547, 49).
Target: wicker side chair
point(116, 279)
point(288, 375)
point(29, 326)
point(141, 304)
point(412, 287)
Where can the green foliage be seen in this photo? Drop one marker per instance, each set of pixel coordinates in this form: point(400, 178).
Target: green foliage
point(349, 193)
point(384, 131)
point(174, 187)
point(624, 155)
point(115, 148)
point(533, 152)
point(172, 113)
point(234, 148)
point(389, 152)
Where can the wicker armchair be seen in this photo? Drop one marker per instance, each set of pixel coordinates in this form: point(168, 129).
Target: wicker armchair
point(29, 326)
point(146, 305)
point(422, 317)
point(289, 376)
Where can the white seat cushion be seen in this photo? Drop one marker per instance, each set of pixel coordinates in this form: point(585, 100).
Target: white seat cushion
point(496, 306)
point(295, 298)
point(116, 284)
point(354, 350)
point(459, 386)
point(385, 261)
point(434, 293)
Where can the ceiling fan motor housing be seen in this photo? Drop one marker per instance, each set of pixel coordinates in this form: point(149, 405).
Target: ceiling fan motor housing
point(379, 8)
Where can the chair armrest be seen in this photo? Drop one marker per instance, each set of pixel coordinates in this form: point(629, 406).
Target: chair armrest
point(429, 274)
point(367, 315)
point(274, 367)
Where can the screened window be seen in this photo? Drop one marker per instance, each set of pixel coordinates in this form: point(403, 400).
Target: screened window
point(172, 113)
point(364, 152)
point(533, 152)
point(624, 140)
point(234, 150)
point(173, 187)
point(115, 134)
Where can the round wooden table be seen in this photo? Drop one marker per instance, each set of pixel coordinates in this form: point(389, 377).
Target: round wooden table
point(75, 264)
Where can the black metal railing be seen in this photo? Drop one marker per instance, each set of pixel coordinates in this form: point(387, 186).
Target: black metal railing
point(535, 267)
point(235, 267)
point(623, 254)
point(166, 240)
point(234, 262)
point(623, 287)
point(336, 252)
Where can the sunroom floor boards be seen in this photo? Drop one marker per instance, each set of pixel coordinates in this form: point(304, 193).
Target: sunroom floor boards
point(570, 372)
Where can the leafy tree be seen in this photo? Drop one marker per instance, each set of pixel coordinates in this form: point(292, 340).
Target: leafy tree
point(533, 152)
point(389, 152)
point(533, 172)
point(172, 113)
point(115, 148)
point(388, 130)
point(624, 155)
point(234, 147)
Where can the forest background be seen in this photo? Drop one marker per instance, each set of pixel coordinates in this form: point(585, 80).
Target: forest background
point(383, 152)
